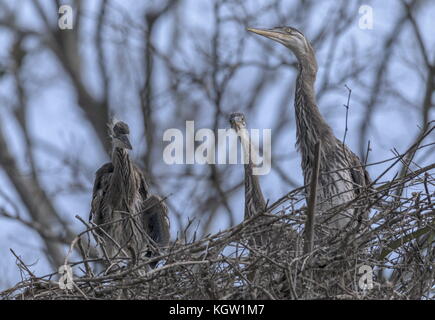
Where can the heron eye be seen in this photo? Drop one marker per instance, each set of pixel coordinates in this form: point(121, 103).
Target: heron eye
point(289, 30)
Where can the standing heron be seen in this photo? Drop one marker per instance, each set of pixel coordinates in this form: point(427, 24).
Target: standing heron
point(342, 175)
point(132, 221)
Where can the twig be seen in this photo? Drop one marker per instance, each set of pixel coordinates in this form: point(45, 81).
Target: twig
point(23, 264)
point(347, 114)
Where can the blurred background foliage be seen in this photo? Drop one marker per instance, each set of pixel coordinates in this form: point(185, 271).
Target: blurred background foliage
point(157, 64)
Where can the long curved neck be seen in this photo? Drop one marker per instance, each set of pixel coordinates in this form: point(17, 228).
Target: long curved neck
point(122, 178)
point(254, 200)
point(310, 124)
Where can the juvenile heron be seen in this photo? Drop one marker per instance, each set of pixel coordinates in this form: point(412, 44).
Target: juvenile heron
point(342, 175)
point(132, 221)
point(254, 200)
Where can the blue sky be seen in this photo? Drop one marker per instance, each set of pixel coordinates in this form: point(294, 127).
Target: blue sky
point(56, 124)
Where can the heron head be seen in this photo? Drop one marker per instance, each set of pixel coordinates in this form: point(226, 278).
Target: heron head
point(237, 121)
point(119, 132)
point(289, 37)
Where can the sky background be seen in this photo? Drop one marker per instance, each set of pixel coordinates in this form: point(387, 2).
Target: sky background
point(56, 125)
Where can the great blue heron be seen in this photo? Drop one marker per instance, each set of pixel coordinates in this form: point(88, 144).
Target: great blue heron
point(128, 215)
point(342, 175)
point(254, 200)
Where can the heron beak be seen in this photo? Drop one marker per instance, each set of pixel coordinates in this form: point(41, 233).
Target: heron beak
point(269, 33)
point(235, 123)
point(232, 123)
point(125, 141)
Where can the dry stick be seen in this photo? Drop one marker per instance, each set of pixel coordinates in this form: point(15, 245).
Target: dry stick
point(24, 266)
point(347, 115)
point(309, 225)
point(85, 258)
point(409, 150)
point(367, 153)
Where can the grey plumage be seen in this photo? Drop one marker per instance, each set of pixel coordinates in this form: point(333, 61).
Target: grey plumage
point(342, 176)
point(131, 220)
point(254, 199)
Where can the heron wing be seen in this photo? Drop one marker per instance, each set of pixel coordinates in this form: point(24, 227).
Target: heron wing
point(102, 177)
point(155, 213)
point(359, 174)
point(155, 219)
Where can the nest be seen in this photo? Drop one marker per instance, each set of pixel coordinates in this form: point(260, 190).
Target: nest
point(390, 255)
